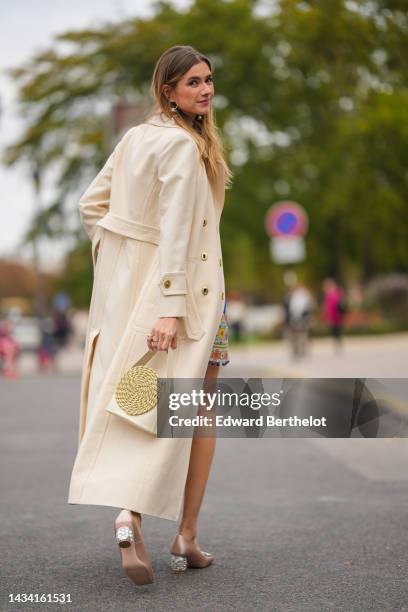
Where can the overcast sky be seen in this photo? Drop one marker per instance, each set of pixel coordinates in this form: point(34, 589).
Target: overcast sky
point(26, 27)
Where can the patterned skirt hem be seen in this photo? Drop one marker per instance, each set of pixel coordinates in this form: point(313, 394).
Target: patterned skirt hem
point(219, 354)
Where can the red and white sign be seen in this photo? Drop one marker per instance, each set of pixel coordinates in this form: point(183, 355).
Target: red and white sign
point(286, 219)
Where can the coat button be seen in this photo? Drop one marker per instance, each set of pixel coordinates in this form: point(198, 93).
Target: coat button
point(204, 290)
point(204, 222)
point(204, 256)
point(220, 260)
point(167, 283)
point(222, 295)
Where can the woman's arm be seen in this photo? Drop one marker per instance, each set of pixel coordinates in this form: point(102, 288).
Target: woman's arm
point(94, 203)
point(178, 166)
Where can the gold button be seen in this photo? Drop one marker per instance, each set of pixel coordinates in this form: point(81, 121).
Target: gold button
point(222, 295)
point(220, 262)
point(167, 283)
point(204, 256)
point(204, 290)
point(204, 222)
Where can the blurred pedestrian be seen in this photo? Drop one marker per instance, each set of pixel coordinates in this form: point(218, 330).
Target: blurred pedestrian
point(9, 351)
point(47, 347)
point(298, 306)
point(334, 309)
point(62, 329)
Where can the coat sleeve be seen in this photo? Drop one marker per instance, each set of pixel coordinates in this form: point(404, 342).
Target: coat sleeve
point(178, 165)
point(94, 203)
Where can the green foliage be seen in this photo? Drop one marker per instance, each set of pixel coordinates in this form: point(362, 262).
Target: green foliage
point(312, 102)
point(78, 275)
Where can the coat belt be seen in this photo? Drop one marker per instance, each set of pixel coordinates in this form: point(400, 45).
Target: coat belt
point(132, 229)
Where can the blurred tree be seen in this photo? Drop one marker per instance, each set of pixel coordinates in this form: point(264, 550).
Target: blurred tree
point(312, 101)
point(18, 280)
point(78, 272)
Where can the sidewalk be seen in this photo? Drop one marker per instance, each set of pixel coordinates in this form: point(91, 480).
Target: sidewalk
point(362, 356)
point(68, 362)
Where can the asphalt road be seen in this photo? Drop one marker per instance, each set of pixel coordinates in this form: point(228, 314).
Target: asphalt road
point(294, 524)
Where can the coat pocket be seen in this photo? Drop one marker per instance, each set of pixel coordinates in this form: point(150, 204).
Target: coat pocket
point(86, 375)
point(96, 245)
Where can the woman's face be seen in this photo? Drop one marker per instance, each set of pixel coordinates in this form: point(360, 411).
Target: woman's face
point(194, 91)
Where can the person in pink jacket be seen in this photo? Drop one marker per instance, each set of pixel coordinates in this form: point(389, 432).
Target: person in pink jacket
point(334, 308)
point(9, 351)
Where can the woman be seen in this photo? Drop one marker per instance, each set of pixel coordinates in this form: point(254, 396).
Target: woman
point(153, 215)
point(334, 309)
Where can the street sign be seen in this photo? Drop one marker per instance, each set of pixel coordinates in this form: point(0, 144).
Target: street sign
point(286, 223)
point(286, 219)
point(287, 249)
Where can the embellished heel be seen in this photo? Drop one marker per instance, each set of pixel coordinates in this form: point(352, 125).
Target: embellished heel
point(178, 563)
point(135, 560)
point(124, 536)
point(187, 553)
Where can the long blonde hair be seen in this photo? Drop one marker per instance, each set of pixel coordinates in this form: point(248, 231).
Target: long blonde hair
point(169, 68)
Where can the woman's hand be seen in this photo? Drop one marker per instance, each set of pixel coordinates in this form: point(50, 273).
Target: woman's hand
point(163, 334)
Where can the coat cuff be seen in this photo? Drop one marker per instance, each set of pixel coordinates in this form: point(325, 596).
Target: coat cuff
point(173, 290)
point(173, 283)
point(172, 306)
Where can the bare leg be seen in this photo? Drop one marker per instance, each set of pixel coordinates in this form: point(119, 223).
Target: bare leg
point(202, 452)
point(201, 456)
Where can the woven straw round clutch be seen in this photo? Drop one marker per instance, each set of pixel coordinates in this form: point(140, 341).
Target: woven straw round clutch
point(136, 392)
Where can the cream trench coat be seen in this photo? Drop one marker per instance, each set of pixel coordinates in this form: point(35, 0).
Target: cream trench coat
point(155, 219)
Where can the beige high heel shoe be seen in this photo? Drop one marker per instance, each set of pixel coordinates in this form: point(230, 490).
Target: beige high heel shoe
point(186, 553)
point(135, 560)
